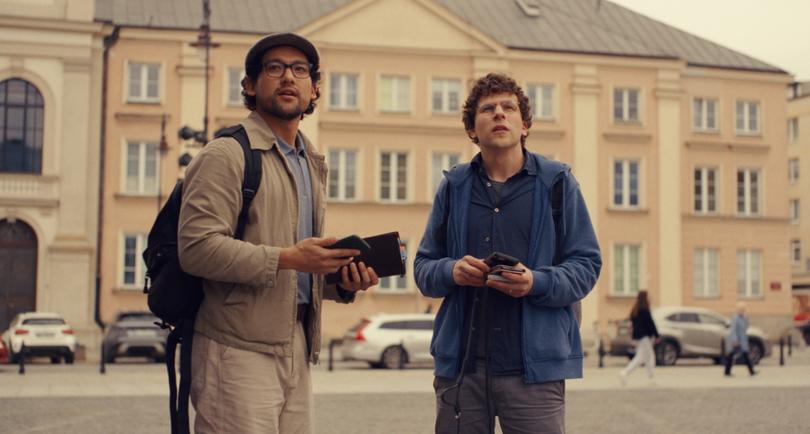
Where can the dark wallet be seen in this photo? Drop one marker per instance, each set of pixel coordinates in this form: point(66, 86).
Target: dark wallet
point(385, 256)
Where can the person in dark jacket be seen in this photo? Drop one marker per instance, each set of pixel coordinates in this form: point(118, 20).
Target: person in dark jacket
point(644, 333)
point(737, 340)
point(504, 348)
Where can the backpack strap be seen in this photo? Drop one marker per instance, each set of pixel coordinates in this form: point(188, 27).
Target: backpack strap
point(253, 174)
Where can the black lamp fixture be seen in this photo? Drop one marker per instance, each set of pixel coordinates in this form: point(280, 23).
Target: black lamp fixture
point(204, 42)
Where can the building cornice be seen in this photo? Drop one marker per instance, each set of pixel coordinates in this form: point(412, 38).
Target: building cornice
point(381, 127)
point(50, 25)
point(728, 146)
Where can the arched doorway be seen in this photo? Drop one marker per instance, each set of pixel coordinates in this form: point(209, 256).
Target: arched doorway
point(18, 270)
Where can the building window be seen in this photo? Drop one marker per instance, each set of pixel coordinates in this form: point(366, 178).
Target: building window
point(395, 93)
point(749, 281)
point(625, 105)
point(748, 191)
point(393, 176)
point(704, 114)
point(795, 211)
point(132, 268)
point(541, 98)
point(445, 95)
point(21, 123)
point(235, 87)
point(796, 251)
point(747, 117)
point(705, 273)
point(625, 184)
point(705, 190)
point(793, 170)
point(793, 130)
point(141, 168)
point(439, 162)
point(342, 174)
point(392, 284)
point(143, 82)
point(343, 91)
point(626, 269)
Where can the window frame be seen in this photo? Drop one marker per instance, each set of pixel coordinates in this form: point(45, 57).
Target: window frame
point(445, 96)
point(446, 157)
point(342, 93)
point(709, 284)
point(625, 120)
point(341, 169)
point(796, 251)
point(747, 131)
point(704, 194)
point(32, 130)
point(229, 86)
point(144, 97)
point(395, 281)
point(534, 91)
point(394, 92)
point(704, 118)
point(793, 130)
point(748, 198)
point(750, 291)
point(625, 192)
point(142, 145)
point(626, 278)
point(394, 176)
point(140, 266)
point(795, 211)
point(793, 171)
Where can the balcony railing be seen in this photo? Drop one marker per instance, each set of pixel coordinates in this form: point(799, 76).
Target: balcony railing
point(29, 190)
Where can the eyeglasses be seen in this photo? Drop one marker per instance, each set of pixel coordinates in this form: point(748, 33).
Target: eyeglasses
point(277, 69)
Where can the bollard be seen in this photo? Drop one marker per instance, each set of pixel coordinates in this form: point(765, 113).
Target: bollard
point(331, 355)
point(21, 359)
point(790, 345)
point(782, 351)
point(102, 369)
point(401, 355)
point(601, 353)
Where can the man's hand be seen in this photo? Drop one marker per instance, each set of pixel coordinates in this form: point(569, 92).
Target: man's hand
point(470, 271)
point(357, 277)
point(518, 285)
point(311, 256)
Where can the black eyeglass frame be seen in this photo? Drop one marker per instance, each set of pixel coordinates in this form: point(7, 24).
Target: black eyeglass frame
point(290, 66)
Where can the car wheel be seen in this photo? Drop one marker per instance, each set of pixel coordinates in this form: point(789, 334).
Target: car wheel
point(393, 357)
point(755, 352)
point(69, 358)
point(666, 353)
point(55, 360)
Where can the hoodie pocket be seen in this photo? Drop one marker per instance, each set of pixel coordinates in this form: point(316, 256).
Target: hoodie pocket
point(551, 334)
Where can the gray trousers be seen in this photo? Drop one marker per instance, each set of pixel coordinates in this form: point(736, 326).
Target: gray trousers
point(520, 408)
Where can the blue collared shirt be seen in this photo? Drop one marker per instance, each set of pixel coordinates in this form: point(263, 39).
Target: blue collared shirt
point(297, 159)
point(500, 221)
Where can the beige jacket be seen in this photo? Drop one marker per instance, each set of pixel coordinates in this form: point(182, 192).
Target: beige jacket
point(249, 303)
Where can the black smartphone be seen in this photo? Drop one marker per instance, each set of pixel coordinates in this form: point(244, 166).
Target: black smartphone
point(352, 242)
point(498, 258)
point(496, 272)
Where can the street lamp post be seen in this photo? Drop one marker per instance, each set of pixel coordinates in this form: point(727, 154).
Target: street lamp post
point(163, 148)
point(204, 42)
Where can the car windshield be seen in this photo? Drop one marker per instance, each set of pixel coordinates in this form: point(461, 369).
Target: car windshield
point(43, 321)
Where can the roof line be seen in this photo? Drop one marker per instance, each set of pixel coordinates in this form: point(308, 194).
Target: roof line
point(599, 53)
point(739, 68)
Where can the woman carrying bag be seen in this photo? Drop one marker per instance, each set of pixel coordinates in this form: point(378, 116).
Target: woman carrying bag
point(644, 331)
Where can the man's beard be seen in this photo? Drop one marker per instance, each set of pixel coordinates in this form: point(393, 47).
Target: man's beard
point(276, 110)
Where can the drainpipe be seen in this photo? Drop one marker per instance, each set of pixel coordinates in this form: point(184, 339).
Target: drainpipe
point(109, 41)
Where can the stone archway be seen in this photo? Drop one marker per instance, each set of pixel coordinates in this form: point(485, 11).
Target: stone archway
point(18, 270)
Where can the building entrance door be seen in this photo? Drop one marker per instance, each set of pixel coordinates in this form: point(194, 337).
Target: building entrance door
point(18, 270)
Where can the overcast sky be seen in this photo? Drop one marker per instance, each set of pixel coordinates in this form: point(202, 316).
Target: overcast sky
point(774, 31)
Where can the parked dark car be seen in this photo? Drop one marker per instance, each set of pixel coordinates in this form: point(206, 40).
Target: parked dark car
point(135, 334)
point(688, 332)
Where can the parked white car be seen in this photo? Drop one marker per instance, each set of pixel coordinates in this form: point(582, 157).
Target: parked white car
point(388, 340)
point(43, 334)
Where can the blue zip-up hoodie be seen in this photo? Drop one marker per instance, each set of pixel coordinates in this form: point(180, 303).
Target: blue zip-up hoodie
point(552, 349)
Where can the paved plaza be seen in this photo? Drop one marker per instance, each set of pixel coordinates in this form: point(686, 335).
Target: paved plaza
point(693, 397)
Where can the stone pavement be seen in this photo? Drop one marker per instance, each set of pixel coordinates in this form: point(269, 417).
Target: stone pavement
point(144, 379)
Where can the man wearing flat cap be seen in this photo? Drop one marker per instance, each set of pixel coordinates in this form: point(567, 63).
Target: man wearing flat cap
point(258, 328)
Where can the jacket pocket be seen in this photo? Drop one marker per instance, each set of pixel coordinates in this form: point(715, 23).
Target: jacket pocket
point(238, 294)
point(447, 329)
point(551, 333)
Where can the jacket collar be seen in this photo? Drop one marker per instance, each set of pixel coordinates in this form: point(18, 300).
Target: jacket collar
point(262, 137)
point(534, 165)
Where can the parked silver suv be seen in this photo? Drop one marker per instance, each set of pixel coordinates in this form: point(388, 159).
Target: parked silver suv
point(389, 340)
point(688, 332)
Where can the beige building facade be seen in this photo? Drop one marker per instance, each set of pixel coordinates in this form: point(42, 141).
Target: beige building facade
point(50, 104)
point(798, 174)
point(681, 165)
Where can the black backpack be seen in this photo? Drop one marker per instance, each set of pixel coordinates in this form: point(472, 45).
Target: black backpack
point(174, 295)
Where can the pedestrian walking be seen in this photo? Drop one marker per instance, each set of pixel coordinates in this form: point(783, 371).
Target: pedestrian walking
point(506, 338)
point(259, 325)
point(645, 334)
point(737, 340)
